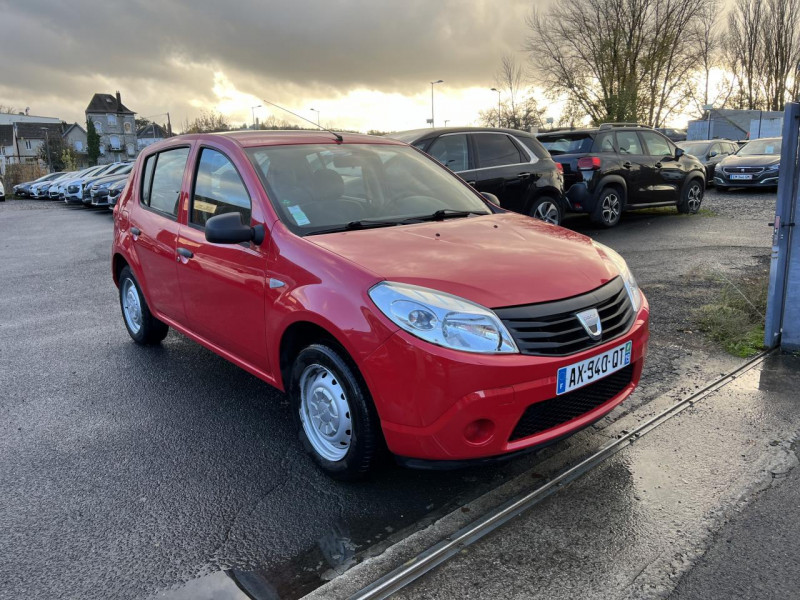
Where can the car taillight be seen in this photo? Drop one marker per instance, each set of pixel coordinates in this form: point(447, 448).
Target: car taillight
point(589, 162)
point(560, 168)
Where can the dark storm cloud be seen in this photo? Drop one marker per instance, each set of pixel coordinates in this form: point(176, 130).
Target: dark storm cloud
point(64, 50)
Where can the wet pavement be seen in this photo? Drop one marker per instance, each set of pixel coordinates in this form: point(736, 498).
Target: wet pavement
point(126, 472)
point(714, 476)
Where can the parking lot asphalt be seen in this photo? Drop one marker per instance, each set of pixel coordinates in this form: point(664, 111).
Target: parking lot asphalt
point(128, 470)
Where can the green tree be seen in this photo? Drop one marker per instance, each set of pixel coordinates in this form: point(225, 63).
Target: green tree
point(92, 142)
point(69, 159)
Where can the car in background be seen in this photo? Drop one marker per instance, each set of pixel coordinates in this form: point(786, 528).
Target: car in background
point(22, 190)
point(115, 190)
point(40, 190)
point(396, 306)
point(122, 168)
point(56, 190)
point(73, 189)
point(676, 135)
point(709, 152)
point(512, 165)
point(99, 190)
point(756, 164)
point(613, 168)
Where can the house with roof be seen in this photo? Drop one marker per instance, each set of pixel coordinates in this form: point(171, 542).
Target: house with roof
point(75, 139)
point(115, 124)
point(150, 134)
point(21, 141)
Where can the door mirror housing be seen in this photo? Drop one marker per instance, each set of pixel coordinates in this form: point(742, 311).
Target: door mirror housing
point(713, 153)
point(491, 198)
point(228, 229)
point(678, 152)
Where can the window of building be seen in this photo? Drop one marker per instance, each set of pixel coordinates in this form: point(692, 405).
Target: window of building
point(98, 127)
point(130, 149)
point(127, 127)
point(2, 149)
point(102, 148)
point(218, 189)
point(27, 144)
point(496, 149)
point(162, 180)
point(451, 151)
point(78, 146)
point(114, 142)
point(112, 119)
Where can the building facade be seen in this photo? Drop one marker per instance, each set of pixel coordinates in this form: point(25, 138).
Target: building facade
point(21, 140)
point(115, 125)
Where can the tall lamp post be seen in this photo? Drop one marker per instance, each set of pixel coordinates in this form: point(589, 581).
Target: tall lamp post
point(708, 108)
point(433, 83)
point(253, 110)
point(498, 105)
point(316, 111)
point(47, 145)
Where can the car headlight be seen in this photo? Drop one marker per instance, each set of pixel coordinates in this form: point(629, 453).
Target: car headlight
point(73, 188)
point(113, 191)
point(443, 319)
point(634, 293)
point(774, 167)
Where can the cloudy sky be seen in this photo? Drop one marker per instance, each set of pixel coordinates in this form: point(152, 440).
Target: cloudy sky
point(364, 64)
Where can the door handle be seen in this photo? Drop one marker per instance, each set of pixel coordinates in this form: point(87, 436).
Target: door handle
point(183, 252)
point(523, 175)
point(657, 165)
point(136, 231)
point(627, 165)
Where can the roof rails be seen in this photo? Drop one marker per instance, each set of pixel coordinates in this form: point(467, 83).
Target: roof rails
point(613, 125)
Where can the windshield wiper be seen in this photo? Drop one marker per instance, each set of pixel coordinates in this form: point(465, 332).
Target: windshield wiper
point(360, 224)
point(445, 213)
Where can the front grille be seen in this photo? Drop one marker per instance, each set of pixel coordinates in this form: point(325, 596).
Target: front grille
point(730, 170)
point(552, 329)
point(563, 409)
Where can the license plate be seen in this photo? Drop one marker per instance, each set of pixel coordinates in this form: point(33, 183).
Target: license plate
point(585, 372)
point(741, 176)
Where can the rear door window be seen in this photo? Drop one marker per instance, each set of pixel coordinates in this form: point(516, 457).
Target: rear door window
point(218, 189)
point(451, 151)
point(604, 143)
point(656, 145)
point(496, 150)
point(161, 186)
point(628, 142)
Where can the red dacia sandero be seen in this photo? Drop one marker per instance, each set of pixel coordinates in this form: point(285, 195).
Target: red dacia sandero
point(396, 306)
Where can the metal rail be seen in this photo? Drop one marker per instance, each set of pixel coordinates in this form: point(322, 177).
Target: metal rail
point(452, 545)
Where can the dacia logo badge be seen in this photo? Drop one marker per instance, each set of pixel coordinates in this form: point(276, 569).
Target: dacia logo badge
point(590, 319)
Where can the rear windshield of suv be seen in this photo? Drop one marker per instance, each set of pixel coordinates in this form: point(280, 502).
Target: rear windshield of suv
point(567, 143)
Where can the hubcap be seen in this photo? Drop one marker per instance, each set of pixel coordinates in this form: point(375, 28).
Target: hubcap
point(695, 197)
point(325, 413)
point(547, 212)
point(610, 208)
point(131, 307)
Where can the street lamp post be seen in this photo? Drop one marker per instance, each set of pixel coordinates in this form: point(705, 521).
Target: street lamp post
point(433, 83)
point(446, 121)
point(253, 110)
point(498, 105)
point(47, 145)
point(316, 111)
point(708, 108)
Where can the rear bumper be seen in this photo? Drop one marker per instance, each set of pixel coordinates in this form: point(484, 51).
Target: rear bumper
point(580, 198)
point(428, 397)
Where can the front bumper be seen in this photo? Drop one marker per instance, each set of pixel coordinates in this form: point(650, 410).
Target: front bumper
point(73, 197)
point(427, 397)
point(100, 198)
point(765, 179)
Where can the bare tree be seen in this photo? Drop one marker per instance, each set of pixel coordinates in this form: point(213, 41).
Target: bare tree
point(745, 42)
point(7, 110)
point(207, 122)
point(518, 110)
point(782, 50)
point(620, 60)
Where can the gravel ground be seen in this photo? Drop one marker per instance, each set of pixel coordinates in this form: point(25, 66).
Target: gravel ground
point(125, 471)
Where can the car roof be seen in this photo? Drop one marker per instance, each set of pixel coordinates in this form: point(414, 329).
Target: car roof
point(250, 139)
point(413, 135)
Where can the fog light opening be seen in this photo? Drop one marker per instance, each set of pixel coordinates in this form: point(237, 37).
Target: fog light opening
point(480, 431)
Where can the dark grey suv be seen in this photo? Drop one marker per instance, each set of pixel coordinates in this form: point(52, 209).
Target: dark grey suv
point(508, 163)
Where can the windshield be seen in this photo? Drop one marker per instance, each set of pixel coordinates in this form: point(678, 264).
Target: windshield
point(323, 187)
point(694, 148)
point(567, 144)
point(761, 147)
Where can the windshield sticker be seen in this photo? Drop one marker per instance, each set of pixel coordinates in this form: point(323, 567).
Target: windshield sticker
point(299, 216)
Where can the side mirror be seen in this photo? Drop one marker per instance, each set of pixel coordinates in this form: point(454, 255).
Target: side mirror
point(491, 198)
point(678, 152)
point(712, 154)
point(228, 229)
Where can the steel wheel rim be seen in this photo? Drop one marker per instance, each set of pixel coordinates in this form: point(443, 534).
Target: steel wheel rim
point(610, 208)
point(695, 197)
point(547, 212)
point(131, 307)
point(325, 413)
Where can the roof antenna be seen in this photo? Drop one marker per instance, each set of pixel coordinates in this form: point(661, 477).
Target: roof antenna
point(338, 137)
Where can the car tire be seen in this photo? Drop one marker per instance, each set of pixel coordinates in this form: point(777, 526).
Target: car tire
point(142, 326)
point(610, 203)
point(691, 197)
point(547, 209)
point(334, 414)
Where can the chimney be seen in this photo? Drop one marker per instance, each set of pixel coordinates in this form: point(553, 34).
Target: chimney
point(119, 102)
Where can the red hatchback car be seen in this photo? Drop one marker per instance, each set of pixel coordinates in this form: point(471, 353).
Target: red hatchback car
point(396, 306)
